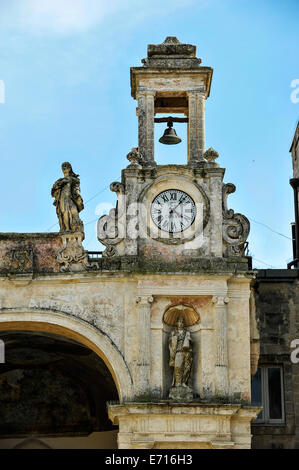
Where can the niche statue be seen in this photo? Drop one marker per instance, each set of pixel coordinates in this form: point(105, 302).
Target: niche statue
point(68, 200)
point(181, 360)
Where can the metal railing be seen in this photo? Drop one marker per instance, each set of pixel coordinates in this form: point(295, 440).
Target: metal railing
point(95, 255)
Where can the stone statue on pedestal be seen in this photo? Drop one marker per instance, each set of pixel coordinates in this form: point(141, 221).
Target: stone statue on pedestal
point(181, 359)
point(68, 200)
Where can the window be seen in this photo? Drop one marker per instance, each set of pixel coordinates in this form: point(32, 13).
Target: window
point(267, 391)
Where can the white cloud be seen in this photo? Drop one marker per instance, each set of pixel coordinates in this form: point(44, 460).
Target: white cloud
point(64, 15)
point(75, 16)
point(56, 16)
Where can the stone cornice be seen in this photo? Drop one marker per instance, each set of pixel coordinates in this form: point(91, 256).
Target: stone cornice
point(207, 72)
point(28, 236)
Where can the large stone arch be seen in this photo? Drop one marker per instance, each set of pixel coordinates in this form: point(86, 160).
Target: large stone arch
point(49, 321)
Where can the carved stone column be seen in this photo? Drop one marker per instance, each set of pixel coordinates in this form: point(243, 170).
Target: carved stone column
point(196, 126)
point(146, 114)
point(144, 343)
point(221, 363)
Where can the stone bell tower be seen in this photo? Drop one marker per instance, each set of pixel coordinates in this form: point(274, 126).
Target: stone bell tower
point(165, 313)
point(171, 81)
point(174, 236)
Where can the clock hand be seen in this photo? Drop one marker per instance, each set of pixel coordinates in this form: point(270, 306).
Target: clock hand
point(179, 215)
point(176, 206)
point(180, 202)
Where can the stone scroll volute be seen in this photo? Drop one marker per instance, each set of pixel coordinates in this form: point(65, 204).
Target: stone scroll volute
point(110, 226)
point(235, 227)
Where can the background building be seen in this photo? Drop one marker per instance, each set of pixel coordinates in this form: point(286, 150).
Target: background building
point(275, 385)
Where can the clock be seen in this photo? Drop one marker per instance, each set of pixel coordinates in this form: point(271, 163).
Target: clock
point(173, 211)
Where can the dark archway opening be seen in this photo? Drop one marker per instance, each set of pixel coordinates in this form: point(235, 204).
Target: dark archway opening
point(52, 386)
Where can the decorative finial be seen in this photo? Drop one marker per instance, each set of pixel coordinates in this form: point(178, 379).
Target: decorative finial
point(171, 40)
point(134, 158)
point(210, 155)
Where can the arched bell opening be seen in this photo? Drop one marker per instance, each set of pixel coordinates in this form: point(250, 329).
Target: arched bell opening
point(56, 389)
point(171, 136)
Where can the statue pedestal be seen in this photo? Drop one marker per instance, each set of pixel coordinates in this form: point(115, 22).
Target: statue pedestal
point(72, 256)
point(181, 393)
point(194, 425)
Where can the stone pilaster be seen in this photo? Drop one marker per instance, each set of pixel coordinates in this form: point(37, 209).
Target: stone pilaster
point(142, 385)
point(146, 114)
point(239, 337)
point(221, 363)
point(207, 363)
point(196, 126)
point(216, 216)
point(132, 215)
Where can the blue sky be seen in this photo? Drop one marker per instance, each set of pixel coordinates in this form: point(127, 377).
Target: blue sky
point(65, 66)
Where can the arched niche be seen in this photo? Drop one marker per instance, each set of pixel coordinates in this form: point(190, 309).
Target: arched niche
point(191, 317)
point(192, 323)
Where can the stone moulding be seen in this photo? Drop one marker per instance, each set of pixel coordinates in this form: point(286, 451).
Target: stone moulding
point(140, 265)
point(183, 425)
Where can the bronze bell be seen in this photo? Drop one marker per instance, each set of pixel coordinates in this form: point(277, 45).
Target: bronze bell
point(170, 136)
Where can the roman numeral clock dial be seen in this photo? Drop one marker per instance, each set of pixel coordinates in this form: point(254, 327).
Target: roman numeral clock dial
point(173, 211)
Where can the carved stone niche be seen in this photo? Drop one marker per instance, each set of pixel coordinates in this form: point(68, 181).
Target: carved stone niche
point(235, 227)
point(180, 351)
point(72, 255)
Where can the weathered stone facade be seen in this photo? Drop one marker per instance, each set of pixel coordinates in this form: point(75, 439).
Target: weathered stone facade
point(118, 304)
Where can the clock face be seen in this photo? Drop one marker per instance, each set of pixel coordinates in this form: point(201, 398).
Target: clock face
point(173, 211)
